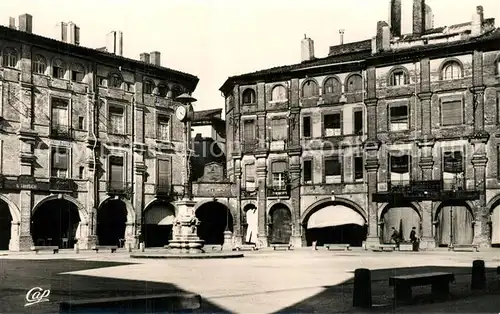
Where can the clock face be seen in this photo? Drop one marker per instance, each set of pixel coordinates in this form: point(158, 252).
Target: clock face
point(180, 112)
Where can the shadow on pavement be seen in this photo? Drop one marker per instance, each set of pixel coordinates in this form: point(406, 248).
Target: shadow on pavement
point(338, 298)
point(17, 277)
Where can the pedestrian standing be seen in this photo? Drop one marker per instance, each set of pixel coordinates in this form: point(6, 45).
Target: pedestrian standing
point(414, 239)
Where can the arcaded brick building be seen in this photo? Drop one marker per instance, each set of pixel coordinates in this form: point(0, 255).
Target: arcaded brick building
point(89, 145)
point(399, 130)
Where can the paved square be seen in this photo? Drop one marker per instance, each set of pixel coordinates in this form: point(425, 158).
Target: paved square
point(262, 282)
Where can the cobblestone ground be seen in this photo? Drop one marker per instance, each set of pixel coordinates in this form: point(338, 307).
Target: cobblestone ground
point(299, 281)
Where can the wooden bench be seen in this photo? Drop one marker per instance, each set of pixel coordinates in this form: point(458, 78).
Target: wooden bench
point(113, 248)
point(246, 247)
point(464, 248)
point(383, 247)
point(440, 282)
point(405, 247)
point(337, 247)
point(277, 246)
point(37, 248)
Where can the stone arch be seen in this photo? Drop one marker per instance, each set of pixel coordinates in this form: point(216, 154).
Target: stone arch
point(131, 216)
point(159, 200)
point(311, 209)
point(385, 207)
point(453, 218)
point(276, 202)
point(495, 200)
point(276, 85)
point(398, 68)
point(438, 205)
point(279, 222)
point(448, 61)
point(331, 77)
point(217, 200)
point(215, 218)
point(157, 223)
point(494, 220)
point(250, 92)
point(81, 210)
point(14, 210)
point(348, 77)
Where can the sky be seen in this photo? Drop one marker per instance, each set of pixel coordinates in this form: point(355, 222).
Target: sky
point(215, 39)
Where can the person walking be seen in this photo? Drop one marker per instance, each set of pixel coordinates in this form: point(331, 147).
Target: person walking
point(414, 239)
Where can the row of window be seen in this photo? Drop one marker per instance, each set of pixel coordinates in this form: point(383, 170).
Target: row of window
point(399, 170)
point(116, 120)
point(77, 73)
point(400, 76)
point(60, 165)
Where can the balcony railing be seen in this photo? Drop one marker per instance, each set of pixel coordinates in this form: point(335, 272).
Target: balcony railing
point(119, 188)
point(62, 184)
point(434, 190)
point(60, 131)
point(283, 190)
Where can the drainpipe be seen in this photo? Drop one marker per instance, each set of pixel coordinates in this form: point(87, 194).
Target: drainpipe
point(94, 128)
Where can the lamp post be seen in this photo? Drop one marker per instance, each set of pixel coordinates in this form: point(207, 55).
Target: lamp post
point(184, 235)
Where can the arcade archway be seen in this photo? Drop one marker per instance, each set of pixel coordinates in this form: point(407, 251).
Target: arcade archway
point(5, 225)
point(55, 222)
point(158, 223)
point(111, 222)
point(495, 226)
point(454, 224)
point(402, 219)
point(214, 218)
point(334, 222)
point(280, 224)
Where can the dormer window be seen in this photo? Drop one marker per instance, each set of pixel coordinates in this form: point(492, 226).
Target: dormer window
point(452, 70)
point(310, 89)
point(9, 59)
point(279, 93)
point(248, 96)
point(58, 69)
point(115, 81)
point(398, 77)
point(148, 87)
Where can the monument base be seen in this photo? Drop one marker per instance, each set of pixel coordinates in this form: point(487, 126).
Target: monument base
point(184, 238)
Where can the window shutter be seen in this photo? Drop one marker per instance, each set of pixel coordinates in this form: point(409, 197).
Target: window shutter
point(451, 112)
point(116, 171)
point(248, 130)
point(60, 158)
point(279, 129)
point(164, 172)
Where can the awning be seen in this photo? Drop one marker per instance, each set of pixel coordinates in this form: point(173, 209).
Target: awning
point(334, 215)
point(159, 215)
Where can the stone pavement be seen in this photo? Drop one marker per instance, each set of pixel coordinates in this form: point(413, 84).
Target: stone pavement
point(296, 281)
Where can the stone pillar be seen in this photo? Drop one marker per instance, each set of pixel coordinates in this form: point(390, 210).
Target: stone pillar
point(481, 213)
point(427, 239)
point(140, 168)
point(262, 145)
point(238, 236)
point(426, 162)
point(296, 239)
point(261, 200)
point(25, 239)
point(14, 236)
point(371, 147)
point(93, 147)
point(130, 237)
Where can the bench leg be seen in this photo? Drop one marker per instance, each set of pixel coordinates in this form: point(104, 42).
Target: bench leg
point(402, 293)
point(441, 290)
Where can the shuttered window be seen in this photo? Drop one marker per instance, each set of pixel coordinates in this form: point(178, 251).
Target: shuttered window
point(278, 169)
point(451, 112)
point(116, 120)
point(164, 173)
point(250, 177)
point(249, 131)
point(332, 86)
point(116, 171)
point(59, 160)
point(279, 129)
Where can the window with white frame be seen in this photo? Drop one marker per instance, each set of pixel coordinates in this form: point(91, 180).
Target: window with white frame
point(9, 58)
point(250, 177)
point(333, 124)
point(333, 170)
point(116, 120)
point(58, 69)
point(279, 169)
point(452, 70)
point(163, 128)
point(398, 78)
point(399, 169)
point(399, 118)
point(453, 170)
point(116, 172)
point(39, 64)
point(279, 93)
point(59, 115)
point(59, 162)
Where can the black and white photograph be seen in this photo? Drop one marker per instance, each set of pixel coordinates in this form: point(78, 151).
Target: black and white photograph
point(263, 156)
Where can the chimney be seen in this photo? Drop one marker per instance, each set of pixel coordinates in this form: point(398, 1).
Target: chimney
point(429, 18)
point(155, 58)
point(477, 21)
point(12, 22)
point(73, 33)
point(395, 17)
point(61, 32)
point(341, 32)
point(307, 50)
point(418, 17)
point(26, 23)
point(144, 57)
point(114, 43)
point(382, 39)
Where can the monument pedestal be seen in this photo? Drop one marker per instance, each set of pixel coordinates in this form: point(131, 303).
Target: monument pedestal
point(184, 233)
